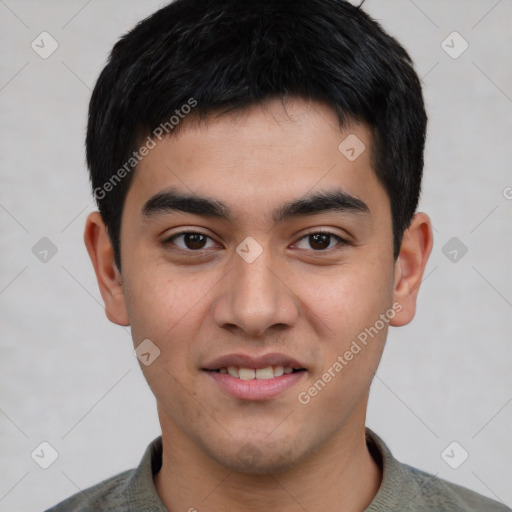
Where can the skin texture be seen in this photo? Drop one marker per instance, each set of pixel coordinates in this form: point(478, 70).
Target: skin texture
point(294, 299)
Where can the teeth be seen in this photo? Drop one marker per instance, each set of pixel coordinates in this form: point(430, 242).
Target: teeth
point(265, 373)
point(233, 371)
point(278, 371)
point(246, 373)
point(261, 373)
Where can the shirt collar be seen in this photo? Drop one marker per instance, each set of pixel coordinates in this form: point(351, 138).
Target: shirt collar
point(396, 492)
point(141, 490)
point(399, 490)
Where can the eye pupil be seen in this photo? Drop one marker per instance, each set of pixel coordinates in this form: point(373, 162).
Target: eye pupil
point(319, 240)
point(194, 240)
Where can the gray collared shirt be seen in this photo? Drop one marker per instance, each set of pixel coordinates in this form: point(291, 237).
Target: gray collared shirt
point(403, 489)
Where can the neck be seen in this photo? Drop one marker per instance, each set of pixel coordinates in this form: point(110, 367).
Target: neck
point(341, 475)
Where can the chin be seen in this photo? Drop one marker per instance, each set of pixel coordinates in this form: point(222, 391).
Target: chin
point(264, 466)
point(259, 459)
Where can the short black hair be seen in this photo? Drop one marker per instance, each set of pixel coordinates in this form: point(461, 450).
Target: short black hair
point(198, 56)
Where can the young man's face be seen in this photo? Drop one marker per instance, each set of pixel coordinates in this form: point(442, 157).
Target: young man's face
point(261, 285)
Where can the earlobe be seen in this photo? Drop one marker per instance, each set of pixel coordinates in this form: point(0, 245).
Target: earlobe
point(109, 278)
point(410, 265)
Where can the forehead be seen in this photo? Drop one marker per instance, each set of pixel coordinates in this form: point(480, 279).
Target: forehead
point(255, 159)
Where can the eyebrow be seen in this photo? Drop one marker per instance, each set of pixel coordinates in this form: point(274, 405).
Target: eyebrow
point(174, 200)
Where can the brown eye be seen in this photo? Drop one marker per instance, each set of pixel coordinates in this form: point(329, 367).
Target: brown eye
point(190, 241)
point(321, 241)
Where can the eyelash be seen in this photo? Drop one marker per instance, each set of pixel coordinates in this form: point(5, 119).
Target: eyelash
point(341, 241)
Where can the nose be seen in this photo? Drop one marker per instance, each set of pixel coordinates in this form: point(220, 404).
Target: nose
point(256, 296)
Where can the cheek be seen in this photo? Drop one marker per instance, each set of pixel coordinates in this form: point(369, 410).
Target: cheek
point(355, 308)
point(351, 353)
point(348, 299)
point(168, 309)
point(162, 304)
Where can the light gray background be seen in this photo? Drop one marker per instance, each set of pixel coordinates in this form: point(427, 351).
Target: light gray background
point(69, 377)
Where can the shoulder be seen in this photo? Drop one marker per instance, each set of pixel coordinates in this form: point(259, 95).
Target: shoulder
point(130, 491)
point(109, 494)
point(437, 494)
point(404, 487)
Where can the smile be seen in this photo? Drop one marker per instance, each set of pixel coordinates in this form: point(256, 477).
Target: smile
point(255, 384)
point(266, 373)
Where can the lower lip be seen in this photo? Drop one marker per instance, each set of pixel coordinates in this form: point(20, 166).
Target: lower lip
point(255, 389)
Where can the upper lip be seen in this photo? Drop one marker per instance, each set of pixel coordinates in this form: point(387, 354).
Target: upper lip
point(249, 361)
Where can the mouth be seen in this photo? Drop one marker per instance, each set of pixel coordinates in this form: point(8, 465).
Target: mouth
point(246, 377)
point(268, 372)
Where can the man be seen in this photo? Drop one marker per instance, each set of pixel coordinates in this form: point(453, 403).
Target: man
point(257, 167)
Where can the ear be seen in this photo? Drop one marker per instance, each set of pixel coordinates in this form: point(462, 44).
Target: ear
point(410, 265)
point(109, 278)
